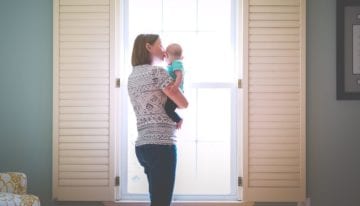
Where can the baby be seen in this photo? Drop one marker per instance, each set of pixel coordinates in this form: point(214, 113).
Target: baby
point(176, 71)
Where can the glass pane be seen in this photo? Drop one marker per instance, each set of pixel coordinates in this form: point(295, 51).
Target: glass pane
point(144, 16)
point(204, 144)
point(212, 58)
point(179, 15)
point(214, 15)
point(214, 116)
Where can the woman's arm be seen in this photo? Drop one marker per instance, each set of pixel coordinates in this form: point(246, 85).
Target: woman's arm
point(176, 95)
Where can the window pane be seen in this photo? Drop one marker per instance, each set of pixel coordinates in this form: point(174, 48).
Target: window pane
point(144, 16)
point(214, 116)
point(211, 58)
point(179, 15)
point(214, 15)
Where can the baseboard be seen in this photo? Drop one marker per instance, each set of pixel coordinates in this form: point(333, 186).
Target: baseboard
point(181, 203)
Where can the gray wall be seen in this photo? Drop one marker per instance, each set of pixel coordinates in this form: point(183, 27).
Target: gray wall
point(25, 91)
point(26, 99)
point(333, 126)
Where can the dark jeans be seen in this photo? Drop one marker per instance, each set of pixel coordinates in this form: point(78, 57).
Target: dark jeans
point(170, 107)
point(159, 162)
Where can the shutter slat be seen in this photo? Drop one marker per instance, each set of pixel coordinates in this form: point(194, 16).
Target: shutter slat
point(288, 82)
point(84, 30)
point(84, 153)
point(275, 140)
point(274, 60)
point(84, 81)
point(84, 124)
point(274, 31)
point(83, 160)
point(83, 168)
point(274, 45)
point(83, 2)
point(81, 88)
point(84, 52)
point(84, 38)
point(274, 133)
point(274, 24)
point(274, 38)
point(275, 147)
point(275, 2)
point(86, 139)
point(85, 146)
point(273, 118)
point(84, 16)
point(84, 66)
point(84, 132)
point(273, 96)
point(84, 110)
point(274, 176)
point(80, 9)
point(264, 75)
point(274, 125)
point(83, 175)
point(274, 16)
point(276, 183)
point(274, 67)
point(84, 117)
point(85, 45)
point(88, 182)
point(83, 74)
point(274, 161)
point(274, 9)
point(93, 95)
point(83, 103)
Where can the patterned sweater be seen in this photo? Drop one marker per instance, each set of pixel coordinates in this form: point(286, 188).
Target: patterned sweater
point(145, 85)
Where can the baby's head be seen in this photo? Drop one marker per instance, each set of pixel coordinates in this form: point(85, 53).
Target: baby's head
point(173, 52)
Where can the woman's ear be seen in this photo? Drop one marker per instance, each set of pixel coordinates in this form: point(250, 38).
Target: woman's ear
point(148, 46)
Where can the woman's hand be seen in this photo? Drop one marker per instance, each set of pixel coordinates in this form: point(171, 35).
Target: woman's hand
point(176, 95)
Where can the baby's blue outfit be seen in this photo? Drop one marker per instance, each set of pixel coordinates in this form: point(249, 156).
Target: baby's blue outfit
point(176, 65)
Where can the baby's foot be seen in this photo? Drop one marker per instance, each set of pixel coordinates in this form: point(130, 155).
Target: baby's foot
point(178, 124)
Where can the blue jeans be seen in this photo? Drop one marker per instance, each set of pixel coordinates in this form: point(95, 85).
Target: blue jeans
point(159, 162)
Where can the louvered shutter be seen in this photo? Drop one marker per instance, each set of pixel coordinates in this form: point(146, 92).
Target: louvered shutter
point(274, 132)
point(83, 104)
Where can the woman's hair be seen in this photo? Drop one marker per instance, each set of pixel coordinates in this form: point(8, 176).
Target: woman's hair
point(140, 55)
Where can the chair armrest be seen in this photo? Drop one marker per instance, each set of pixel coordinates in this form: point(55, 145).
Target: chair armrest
point(13, 182)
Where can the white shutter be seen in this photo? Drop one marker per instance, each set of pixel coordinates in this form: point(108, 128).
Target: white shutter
point(274, 85)
point(83, 104)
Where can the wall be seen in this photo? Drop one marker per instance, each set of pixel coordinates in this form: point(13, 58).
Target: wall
point(333, 132)
point(26, 92)
point(26, 99)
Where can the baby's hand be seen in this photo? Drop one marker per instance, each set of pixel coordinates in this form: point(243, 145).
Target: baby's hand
point(179, 124)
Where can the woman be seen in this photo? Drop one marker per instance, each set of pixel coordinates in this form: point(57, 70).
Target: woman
point(149, 87)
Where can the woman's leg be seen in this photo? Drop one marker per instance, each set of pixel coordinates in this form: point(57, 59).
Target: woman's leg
point(159, 162)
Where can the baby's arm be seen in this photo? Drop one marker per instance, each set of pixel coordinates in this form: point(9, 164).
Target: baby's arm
point(179, 77)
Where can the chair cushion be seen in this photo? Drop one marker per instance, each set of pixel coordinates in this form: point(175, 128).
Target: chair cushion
point(13, 182)
point(10, 199)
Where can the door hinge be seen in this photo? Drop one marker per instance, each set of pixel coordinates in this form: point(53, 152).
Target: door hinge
point(117, 181)
point(118, 82)
point(239, 83)
point(240, 182)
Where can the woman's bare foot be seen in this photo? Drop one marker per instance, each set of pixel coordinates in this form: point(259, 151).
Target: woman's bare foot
point(178, 125)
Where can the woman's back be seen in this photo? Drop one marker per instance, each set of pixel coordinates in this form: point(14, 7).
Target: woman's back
point(145, 86)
